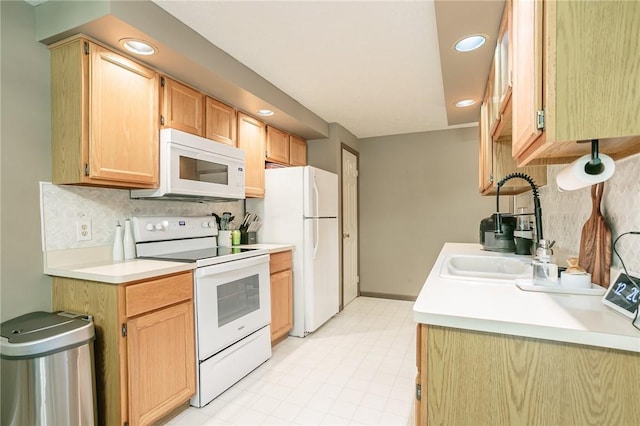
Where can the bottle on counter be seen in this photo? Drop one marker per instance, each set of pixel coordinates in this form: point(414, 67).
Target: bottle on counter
point(118, 245)
point(128, 243)
point(545, 270)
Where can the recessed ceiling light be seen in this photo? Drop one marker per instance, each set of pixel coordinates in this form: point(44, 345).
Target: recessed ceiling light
point(265, 112)
point(470, 43)
point(465, 103)
point(138, 47)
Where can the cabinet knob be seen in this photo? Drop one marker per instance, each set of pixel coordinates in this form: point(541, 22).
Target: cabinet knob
point(345, 235)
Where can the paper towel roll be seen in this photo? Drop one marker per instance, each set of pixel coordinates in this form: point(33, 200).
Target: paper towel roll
point(574, 176)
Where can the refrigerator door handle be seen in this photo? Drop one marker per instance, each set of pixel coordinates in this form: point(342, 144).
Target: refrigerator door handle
point(316, 238)
point(316, 194)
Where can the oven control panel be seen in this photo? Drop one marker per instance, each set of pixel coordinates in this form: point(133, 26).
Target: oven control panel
point(158, 228)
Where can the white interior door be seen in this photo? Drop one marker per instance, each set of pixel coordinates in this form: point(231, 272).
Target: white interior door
point(350, 273)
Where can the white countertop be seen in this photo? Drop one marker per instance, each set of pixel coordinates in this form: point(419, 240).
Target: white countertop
point(95, 264)
point(273, 248)
point(506, 309)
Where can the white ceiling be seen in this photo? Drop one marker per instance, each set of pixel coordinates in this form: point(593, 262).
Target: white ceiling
point(372, 66)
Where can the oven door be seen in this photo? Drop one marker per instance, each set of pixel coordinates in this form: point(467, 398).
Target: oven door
point(232, 301)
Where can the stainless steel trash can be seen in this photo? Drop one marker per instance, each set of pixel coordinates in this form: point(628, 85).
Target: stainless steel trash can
point(48, 375)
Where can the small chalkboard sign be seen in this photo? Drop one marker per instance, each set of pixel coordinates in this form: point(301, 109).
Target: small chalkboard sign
point(623, 295)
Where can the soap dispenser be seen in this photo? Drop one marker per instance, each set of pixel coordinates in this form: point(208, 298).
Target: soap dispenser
point(545, 271)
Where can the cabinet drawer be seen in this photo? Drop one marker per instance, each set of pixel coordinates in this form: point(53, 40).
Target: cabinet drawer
point(280, 261)
point(150, 295)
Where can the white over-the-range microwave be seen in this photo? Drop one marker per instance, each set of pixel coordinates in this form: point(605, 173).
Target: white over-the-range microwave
point(194, 168)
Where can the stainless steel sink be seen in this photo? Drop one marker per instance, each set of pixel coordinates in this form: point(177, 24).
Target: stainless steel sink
point(486, 268)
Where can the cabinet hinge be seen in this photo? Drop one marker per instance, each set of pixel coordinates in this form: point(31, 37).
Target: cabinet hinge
point(86, 48)
point(124, 330)
point(162, 120)
point(162, 81)
point(491, 178)
point(357, 278)
point(86, 169)
point(418, 392)
point(540, 120)
point(266, 154)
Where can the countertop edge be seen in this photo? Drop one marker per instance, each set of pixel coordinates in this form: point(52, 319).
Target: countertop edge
point(426, 312)
point(272, 248)
point(588, 338)
point(119, 279)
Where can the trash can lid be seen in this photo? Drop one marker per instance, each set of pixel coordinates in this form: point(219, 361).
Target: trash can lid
point(42, 333)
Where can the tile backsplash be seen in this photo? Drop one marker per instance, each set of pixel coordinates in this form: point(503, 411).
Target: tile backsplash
point(564, 213)
point(62, 206)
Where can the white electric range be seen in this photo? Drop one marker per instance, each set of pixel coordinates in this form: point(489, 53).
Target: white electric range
point(231, 297)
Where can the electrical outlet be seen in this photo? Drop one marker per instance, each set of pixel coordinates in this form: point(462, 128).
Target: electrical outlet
point(83, 230)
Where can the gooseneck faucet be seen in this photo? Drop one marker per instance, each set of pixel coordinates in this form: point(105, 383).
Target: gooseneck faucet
point(537, 210)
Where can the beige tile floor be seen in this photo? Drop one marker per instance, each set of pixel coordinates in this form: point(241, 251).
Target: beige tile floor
point(357, 369)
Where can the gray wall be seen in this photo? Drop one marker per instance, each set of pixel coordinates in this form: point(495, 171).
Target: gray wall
point(417, 191)
point(326, 153)
point(25, 160)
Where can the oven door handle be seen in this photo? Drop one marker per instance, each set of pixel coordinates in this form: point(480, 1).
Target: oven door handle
point(233, 265)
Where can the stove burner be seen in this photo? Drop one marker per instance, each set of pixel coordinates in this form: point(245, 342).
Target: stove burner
point(195, 255)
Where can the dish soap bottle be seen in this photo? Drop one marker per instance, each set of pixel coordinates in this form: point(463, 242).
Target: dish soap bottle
point(129, 244)
point(118, 246)
point(545, 272)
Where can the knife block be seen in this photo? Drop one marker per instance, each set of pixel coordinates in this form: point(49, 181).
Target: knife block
point(248, 237)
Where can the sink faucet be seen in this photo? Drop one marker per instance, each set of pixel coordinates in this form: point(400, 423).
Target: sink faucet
point(537, 210)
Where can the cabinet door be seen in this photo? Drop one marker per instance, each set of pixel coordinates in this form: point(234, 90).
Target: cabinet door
point(182, 107)
point(527, 73)
point(485, 148)
point(281, 304)
point(123, 120)
point(161, 360)
point(251, 135)
point(297, 151)
point(277, 146)
point(220, 122)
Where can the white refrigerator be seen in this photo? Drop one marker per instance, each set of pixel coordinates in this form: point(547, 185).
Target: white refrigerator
point(300, 208)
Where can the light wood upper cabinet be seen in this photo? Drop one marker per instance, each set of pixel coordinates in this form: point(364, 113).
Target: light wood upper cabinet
point(285, 149)
point(281, 265)
point(145, 344)
point(576, 77)
point(220, 122)
point(182, 107)
point(104, 117)
point(297, 151)
point(277, 146)
point(495, 157)
point(251, 138)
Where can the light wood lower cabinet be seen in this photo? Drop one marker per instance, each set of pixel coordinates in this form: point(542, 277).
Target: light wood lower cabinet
point(144, 348)
point(280, 266)
point(469, 377)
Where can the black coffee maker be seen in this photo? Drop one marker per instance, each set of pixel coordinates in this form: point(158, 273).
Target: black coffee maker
point(502, 241)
